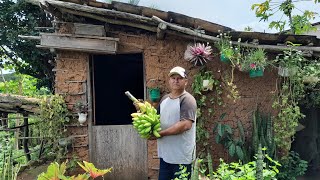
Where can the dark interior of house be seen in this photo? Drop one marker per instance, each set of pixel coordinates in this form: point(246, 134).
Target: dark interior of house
point(112, 76)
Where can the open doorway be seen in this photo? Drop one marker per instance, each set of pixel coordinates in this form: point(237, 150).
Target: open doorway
point(112, 76)
point(113, 141)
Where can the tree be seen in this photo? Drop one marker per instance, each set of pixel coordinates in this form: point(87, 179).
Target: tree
point(298, 23)
point(20, 18)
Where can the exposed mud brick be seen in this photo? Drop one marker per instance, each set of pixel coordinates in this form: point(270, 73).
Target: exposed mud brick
point(159, 57)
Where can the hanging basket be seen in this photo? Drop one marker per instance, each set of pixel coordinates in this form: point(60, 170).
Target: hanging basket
point(310, 79)
point(154, 94)
point(256, 73)
point(224, 59)
point(286, 72)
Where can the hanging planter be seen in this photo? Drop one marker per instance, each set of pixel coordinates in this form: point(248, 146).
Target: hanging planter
point(198, 54)
point(310, 79)
point(286, 72)
point(82, 118)
point(207, 84)
point(224, 58)
point(154, 94)
point(256, 72)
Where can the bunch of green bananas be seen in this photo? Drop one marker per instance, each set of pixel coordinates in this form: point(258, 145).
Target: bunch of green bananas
point(146, 121)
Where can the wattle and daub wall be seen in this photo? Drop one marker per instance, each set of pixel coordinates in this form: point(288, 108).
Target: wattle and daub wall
point(159, 57)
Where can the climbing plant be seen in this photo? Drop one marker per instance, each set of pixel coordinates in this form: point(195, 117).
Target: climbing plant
point(53, 115)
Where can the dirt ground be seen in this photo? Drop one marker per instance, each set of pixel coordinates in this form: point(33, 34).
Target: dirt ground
point(32, 174)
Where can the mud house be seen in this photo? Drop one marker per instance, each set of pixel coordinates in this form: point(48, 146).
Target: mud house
point(103, 50)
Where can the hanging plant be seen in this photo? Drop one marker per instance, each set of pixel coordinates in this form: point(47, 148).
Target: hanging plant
point(198, 54)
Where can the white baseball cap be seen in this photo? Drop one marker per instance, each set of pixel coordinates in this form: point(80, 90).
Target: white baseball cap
point(178, 70)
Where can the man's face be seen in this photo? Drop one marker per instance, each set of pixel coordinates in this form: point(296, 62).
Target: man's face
point(177, 82)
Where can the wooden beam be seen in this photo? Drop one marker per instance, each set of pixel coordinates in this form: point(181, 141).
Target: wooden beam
point(94, 10)
point(26, 134)
point(111, 21)
point(15, 103)
point(207, 38)
point(161, 30)
point(185, 30)
point(96, 44)
point(38, 38)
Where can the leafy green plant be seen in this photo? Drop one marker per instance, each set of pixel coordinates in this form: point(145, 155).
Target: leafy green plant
point(224, 45)
point(198, 84)
point(248, 171)
point(183, 174)
point(55, 171)
point(311, 72)
point(9, 171)
point(262, 133)
point(292, 167)
point(81, 107)
point(225, 136)
point(255, 59)
point(298, 23)
point(53, 116)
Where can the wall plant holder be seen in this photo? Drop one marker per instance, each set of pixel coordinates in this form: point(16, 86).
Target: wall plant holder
point(154, 94)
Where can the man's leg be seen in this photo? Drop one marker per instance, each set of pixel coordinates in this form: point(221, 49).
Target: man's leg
point(176, 168)
point(165, 171)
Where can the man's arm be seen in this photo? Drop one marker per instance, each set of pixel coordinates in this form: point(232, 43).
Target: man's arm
point(177, 128)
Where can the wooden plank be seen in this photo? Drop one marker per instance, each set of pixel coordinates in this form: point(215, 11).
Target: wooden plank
point(209, 26)
point(89, 29)
point(125, 7)
point(79, 43)
point(149, 12)
point(120, 147)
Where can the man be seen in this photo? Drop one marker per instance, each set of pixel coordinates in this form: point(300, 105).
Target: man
point(178, 123)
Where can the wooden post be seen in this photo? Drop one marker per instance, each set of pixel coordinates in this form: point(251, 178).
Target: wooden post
point(4, 119)
point(161, 30)
point(26, 134)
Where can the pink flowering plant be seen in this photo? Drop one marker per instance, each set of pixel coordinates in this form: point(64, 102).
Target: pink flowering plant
point(255, 59)
point(198, 54)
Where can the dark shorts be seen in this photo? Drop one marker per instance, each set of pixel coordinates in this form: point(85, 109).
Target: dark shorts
point(167, 171)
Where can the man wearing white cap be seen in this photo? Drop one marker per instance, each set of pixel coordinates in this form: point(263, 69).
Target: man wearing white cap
point(178, 123)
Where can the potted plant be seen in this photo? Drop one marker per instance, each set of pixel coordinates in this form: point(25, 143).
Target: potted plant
point(311, 73)
point(289, 62)
point(255, 62)
point(225, 47)
point(204, 81)
point(198, 54)
point(82, 111)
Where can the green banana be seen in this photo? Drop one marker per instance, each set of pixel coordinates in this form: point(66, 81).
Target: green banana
point(156, 134)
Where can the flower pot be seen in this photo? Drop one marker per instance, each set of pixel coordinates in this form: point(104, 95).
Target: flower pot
point(256, 73)
point(224, 59)
point(310, 79)
point(286, 72)
point(82, 118)
point(154, 94)
point(207, 85)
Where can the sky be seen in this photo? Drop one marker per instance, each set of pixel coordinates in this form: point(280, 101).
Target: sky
point(236, 14)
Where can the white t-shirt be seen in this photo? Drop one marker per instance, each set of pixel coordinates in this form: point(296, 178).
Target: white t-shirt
point(180, 148)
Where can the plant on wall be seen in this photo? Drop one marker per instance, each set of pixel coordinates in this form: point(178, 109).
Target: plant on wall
point(255, 62)
point(225, 47)
point(53, 115)
point(198, 54)
point(225, 136)
point(207, 91)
